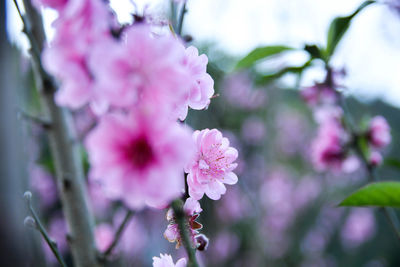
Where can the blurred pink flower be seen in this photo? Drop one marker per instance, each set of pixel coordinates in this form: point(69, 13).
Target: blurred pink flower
point(379, 132)
point(99, 203)
point(359, 227)
point(166, 261)
point(104, 236)
point(327, 149)
point(202, 85)
point(56, 4)
point(137, 68)
point(375, 158)
point(239, 92)
point(81, 25)
point(139, 157)
point(253, 130)
point(319, 94)
point(44, 184)
point(213, 165)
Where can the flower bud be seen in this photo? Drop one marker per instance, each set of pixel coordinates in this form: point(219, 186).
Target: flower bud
point(30, 222)
point(201, 242)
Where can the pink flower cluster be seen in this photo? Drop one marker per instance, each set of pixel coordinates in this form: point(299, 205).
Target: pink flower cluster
point(192, 209)
point(136, 84)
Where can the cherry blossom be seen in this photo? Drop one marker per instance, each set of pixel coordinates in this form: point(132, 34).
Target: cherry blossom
point(202, 85)
point(139, 157)
point(213, 165)
point(165, 260)
point(379, 132)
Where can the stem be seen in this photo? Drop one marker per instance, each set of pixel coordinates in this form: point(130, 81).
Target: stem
point(65, 151)
point(181, 17)
point(43, 231)
point(119, 232)
point(177, 206)
point(389, 213)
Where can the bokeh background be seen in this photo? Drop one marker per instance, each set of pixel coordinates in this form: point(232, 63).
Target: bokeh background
point(282, 212)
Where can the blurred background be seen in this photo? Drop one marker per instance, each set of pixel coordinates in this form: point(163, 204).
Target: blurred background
point(282, 212)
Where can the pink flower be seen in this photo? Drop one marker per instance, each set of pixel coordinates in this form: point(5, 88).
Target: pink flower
point(379, 132)
point(375, 159)
point(166, 261)
point(359, 227)
point(56, 4)
point(139, 157)
point(81, 25)
point(327, 149)
point(137, 68)
point(192, 209)
point(319, 94)
point(104, 236)
point(202, 85)
point(213, 165)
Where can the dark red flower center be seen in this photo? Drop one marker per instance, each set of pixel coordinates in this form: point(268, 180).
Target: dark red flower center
point(140, 152)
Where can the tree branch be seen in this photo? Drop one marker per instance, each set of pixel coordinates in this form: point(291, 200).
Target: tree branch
point(67, 158)
point(42, 230)
point(181, 220)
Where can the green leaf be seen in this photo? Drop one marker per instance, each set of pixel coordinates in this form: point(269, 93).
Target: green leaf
point(265, 79)
point(392, 162)
point(261, 53)
point(338, 28)
point(381, 194)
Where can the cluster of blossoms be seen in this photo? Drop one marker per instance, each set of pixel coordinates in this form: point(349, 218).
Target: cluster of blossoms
point(138, 84)
point(331, 149)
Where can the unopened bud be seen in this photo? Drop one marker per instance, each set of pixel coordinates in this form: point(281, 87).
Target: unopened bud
point(28, 195)
point(30, 222)
point(201, 242)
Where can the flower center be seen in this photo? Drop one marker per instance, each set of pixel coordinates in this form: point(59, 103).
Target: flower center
point(141, 153)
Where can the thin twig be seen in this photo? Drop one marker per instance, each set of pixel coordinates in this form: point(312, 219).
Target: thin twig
point(181, 17)
point(43, 231)
point(177, 207)
point(349, 123)
point(119, 233)
point(37, 120)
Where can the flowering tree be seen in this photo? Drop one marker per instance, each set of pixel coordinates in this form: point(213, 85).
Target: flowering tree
point(118, 104)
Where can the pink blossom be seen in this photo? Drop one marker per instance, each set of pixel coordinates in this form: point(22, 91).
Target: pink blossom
point(137, 68)
point(359, 227)
point(81, 25)
point(139, 157)
point(319, 94)
point(202, 85)
point(379, 132)
point(166, 261)
point(239, 92)
point(192, 209)
point(375, 158)
point(327, 148)
point(56, 4)
point(213, 165)
point(104, 236)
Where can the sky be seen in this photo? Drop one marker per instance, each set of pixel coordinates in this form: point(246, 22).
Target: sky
point(370, 51)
